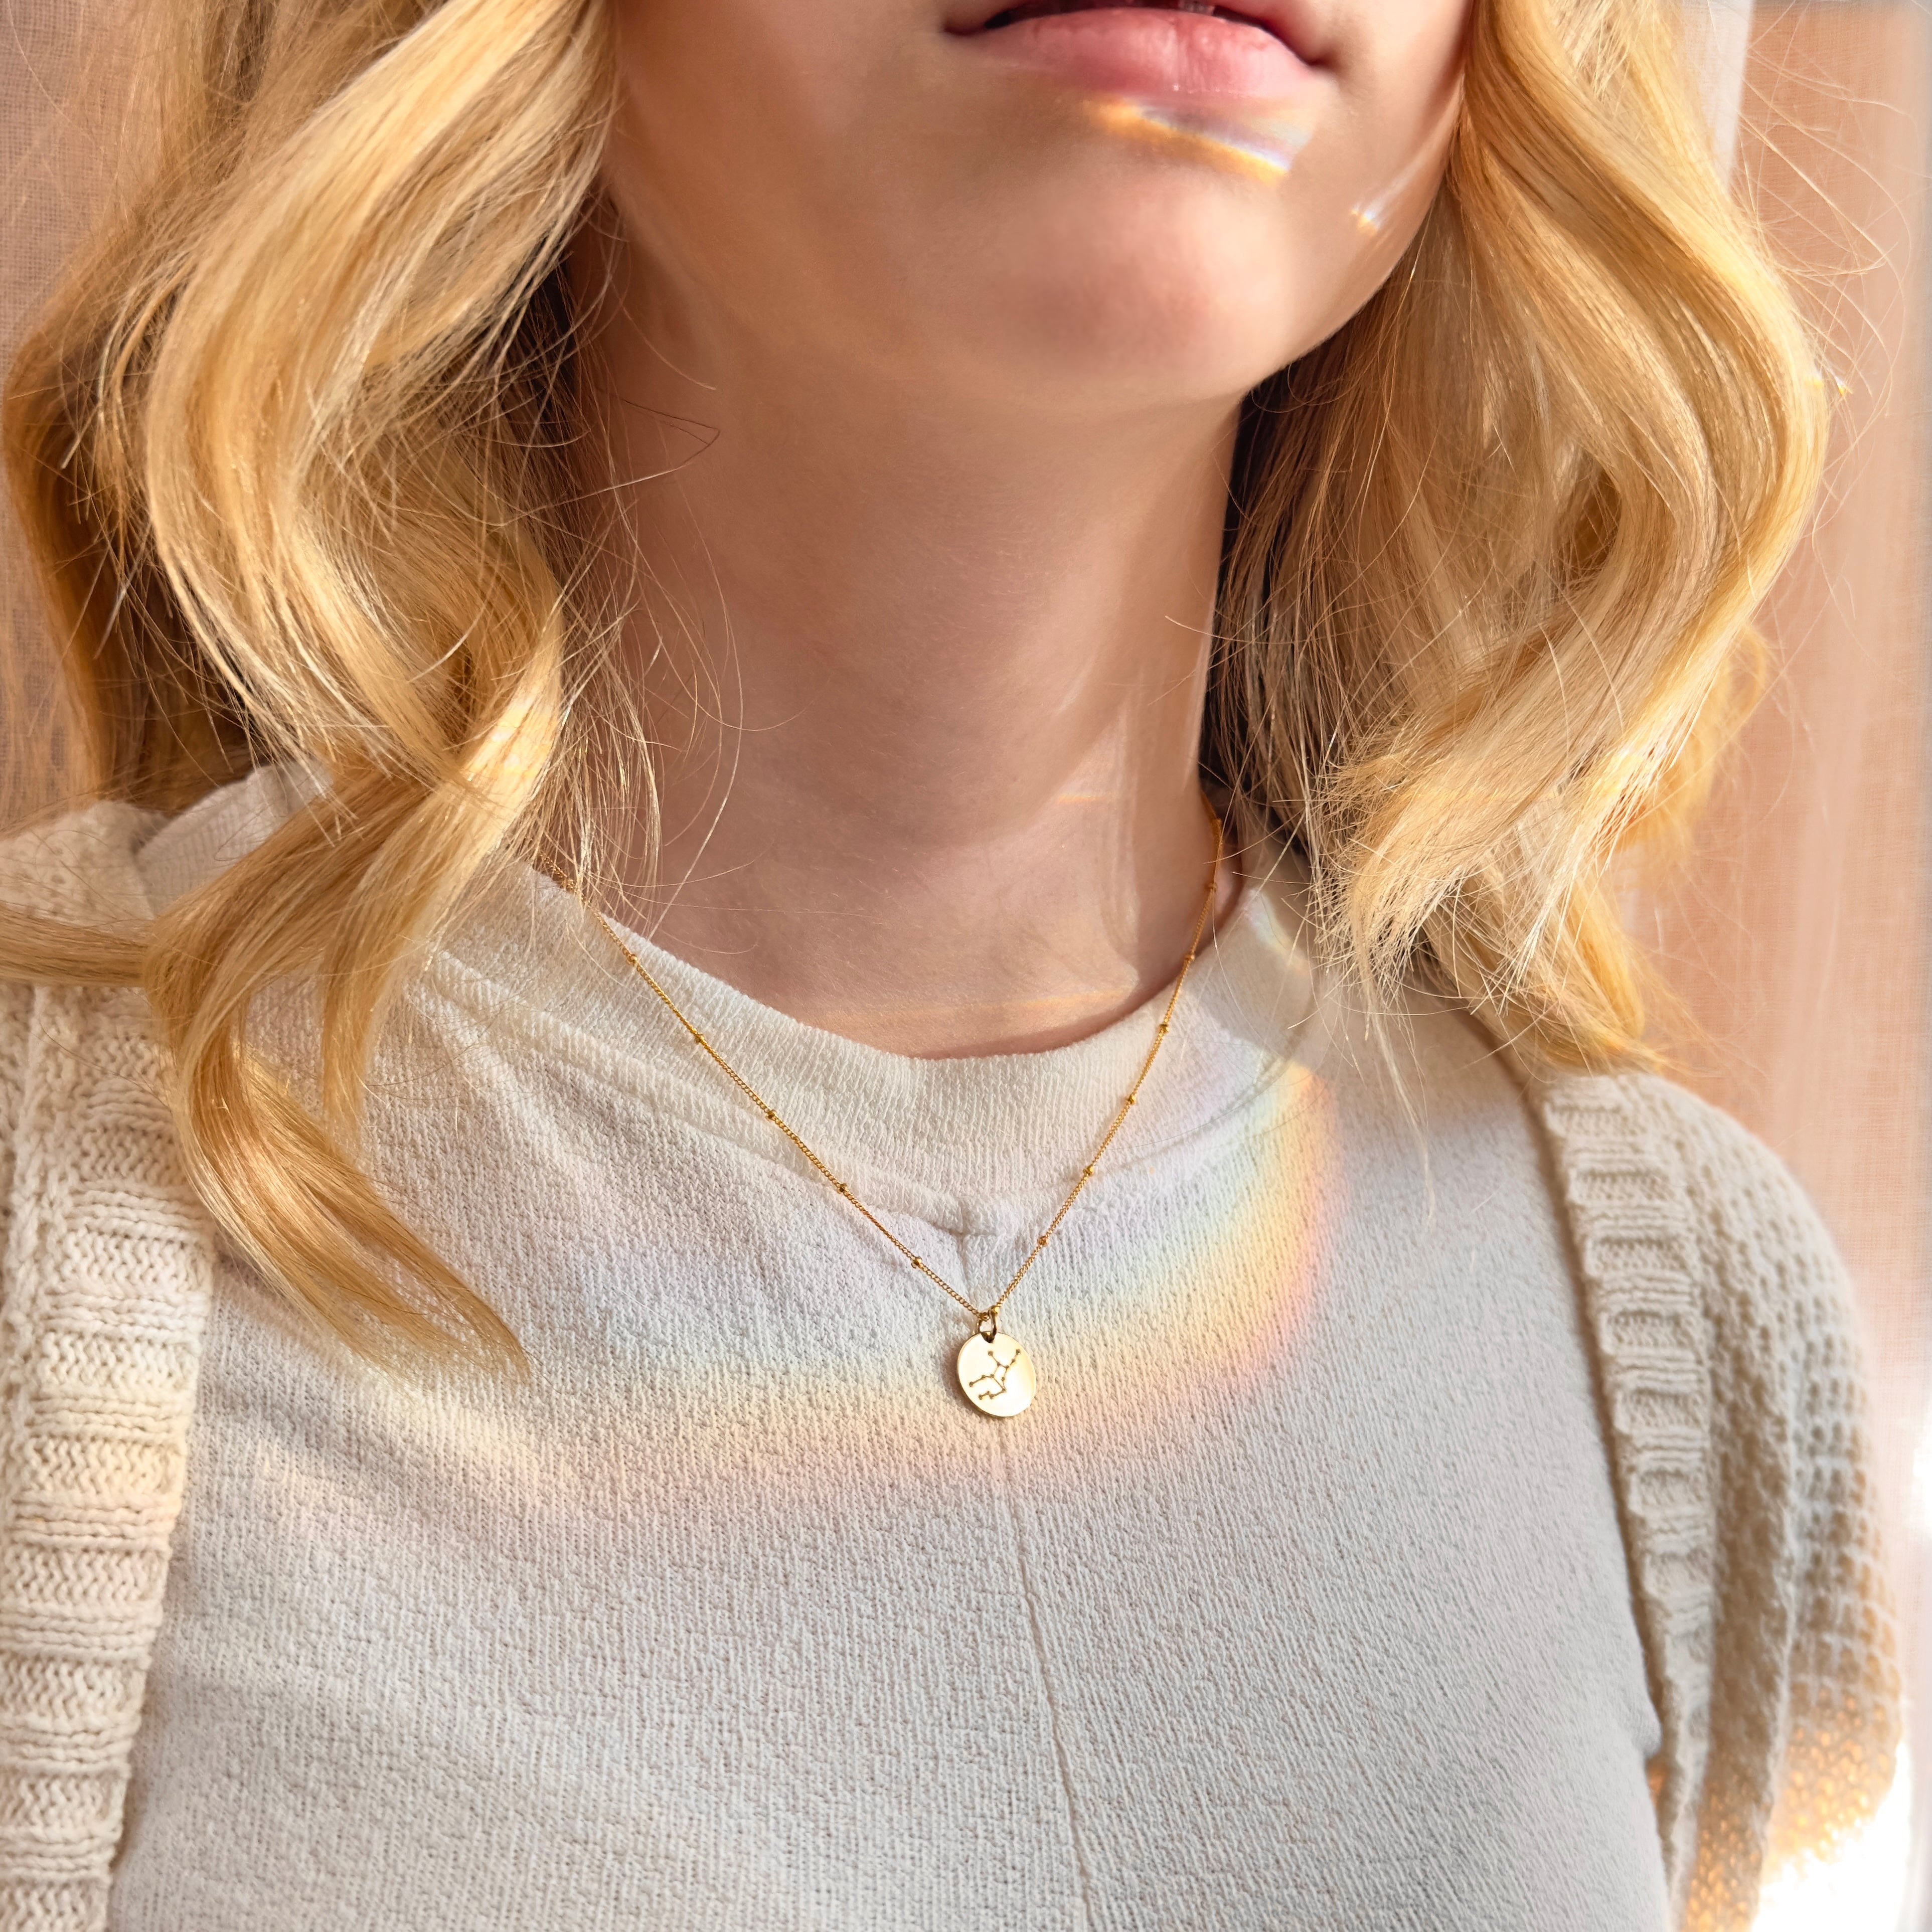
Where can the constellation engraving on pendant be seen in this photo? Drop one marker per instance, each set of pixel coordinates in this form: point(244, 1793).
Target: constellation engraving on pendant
point(997, 1374)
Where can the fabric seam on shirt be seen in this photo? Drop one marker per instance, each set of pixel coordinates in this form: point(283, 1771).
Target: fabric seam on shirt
point(1046, 1690)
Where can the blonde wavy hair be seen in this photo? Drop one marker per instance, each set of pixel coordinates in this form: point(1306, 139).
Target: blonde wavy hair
point(293, 447)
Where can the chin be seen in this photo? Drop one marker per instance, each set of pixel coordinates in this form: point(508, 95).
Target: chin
point(1153, 301)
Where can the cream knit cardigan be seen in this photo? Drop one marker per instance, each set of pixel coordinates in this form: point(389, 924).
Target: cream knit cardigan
point(1726, 1355)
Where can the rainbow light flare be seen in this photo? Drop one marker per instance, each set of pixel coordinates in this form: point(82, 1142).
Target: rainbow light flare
point(1126, 1357)
point(1261, 141)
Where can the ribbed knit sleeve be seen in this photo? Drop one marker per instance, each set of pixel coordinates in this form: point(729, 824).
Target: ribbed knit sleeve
point(1804, 1715)
point(1728, 1356)
point(16, 1004)
point(1621, 1178)
point(109, 1259)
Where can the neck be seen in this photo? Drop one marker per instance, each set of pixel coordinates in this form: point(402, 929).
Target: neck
point(926, 684)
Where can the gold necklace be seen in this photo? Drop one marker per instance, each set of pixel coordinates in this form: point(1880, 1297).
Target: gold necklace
point(995, 1372)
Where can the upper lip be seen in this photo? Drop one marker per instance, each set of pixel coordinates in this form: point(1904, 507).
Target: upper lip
point(1289, 21)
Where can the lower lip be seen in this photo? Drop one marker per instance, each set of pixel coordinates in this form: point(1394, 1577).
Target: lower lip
point(1141, 51)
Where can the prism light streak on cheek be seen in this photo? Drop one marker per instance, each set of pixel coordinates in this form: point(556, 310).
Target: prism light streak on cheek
point(1371, 215)
point(1260, 140)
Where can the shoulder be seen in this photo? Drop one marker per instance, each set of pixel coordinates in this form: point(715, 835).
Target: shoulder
point(71, 1034)
point(64, 1038)
point(114, 864)
point(1659, 1182)
point(1642, 1144)
point(79, 869)
point(82, 867)
point(1758, 1216)
point(1730, 1354)
point(1784, 1346)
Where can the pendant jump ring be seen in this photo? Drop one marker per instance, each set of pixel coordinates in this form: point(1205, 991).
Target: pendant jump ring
point(989, 1325)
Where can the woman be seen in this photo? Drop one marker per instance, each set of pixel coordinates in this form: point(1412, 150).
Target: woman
point(753, 666)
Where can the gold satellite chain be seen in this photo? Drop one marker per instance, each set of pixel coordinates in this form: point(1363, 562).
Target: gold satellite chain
point(986, 1319)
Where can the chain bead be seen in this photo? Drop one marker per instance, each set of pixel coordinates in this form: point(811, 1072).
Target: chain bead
point(989, 1314)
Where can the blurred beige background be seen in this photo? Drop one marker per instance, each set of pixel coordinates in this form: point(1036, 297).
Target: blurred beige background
point(1797, 937)
point(69, 124)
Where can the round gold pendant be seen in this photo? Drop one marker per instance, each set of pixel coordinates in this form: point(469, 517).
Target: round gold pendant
point(997, 1374)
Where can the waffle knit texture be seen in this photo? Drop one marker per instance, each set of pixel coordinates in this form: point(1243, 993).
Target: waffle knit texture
point(1724, 1347)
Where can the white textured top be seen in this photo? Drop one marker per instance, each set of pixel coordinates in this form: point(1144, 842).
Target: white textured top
point(1298, 1598)
point(1274, 1621)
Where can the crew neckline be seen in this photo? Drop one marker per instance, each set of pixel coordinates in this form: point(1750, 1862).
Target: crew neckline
point(932, 1135)
point(1003, 1124)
